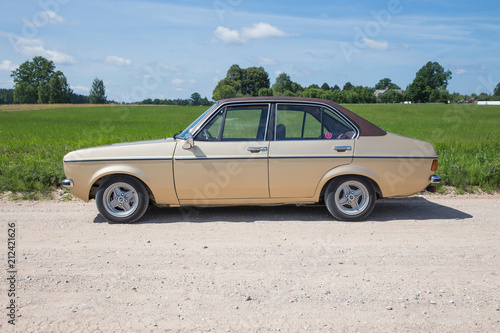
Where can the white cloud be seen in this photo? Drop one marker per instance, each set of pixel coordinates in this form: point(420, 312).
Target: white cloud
point(262, 30)
point(179, 82)
point(256, 31)
point(460, 71)
point(184, 85)
point(80, 89)
point(52, 17)
point(118, 61)
point(43, 18)
point(263, 61)
point(227, 35)
point(7, 65)
point(35, 47)
point(376, 45)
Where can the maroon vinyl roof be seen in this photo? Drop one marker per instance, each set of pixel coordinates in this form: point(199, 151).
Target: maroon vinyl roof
point(365, 127)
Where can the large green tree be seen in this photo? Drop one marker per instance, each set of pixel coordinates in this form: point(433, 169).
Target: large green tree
point(254, 78)
point(195, 99)
point(27, 78)
point(97, 93)
point(430, 81)
point(244, 81)
point(386, 83)
point(59, 90)
point(224, 91)
point(43, 92)
point(282, 84)
point(347, 86)
point(496, 92)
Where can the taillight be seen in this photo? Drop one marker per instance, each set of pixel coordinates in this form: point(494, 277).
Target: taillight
point(434, 166)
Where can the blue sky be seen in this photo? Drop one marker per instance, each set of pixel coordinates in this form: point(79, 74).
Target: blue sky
point(170, 49)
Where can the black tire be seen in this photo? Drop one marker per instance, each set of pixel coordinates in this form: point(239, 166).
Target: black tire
point(122, 199)
point(350, 198)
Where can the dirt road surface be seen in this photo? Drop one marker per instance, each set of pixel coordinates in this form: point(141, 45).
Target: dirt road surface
point(422, 264)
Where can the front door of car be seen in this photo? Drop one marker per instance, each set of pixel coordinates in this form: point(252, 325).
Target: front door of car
point(309, 140)
point(228, 159)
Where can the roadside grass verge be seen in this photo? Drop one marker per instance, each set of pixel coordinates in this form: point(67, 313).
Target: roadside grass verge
point(33, 142)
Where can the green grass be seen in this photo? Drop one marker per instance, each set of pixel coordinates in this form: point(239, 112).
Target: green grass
point(33, 143)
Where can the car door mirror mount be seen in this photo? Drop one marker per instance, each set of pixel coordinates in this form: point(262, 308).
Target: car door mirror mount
point(189, 142)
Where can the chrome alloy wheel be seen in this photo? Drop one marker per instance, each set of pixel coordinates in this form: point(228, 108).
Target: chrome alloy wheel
point(120, 199)
point(352, 197)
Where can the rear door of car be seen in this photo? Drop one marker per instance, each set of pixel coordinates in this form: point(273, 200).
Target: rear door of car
point(308, 141)
point(229, 159)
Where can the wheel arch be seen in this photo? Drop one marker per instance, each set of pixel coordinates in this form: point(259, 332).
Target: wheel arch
point(348, 170)
point(102, 177)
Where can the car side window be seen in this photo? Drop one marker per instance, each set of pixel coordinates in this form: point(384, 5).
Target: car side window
point(309, 122)
point(237, 123)
point(335, 128)
point(298, 122)
point(211, 131)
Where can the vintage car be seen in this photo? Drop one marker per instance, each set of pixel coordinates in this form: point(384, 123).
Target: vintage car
point(256, 151)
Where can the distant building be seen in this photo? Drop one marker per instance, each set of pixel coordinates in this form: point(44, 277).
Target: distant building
point(378, 93)
point(488, 103)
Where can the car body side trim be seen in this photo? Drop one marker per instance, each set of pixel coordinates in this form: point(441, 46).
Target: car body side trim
point(322, 156)
point(121, 159)
point(349, 156)
point(410, 157)
point(219, 158)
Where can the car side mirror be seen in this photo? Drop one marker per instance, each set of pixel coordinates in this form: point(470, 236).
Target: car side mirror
point(189, 143)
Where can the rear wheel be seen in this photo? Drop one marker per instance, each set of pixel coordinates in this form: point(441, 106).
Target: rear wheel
point(122, 199)
point(350, 198)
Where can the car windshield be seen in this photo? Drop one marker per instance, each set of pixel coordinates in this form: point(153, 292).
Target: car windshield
point(183, 134)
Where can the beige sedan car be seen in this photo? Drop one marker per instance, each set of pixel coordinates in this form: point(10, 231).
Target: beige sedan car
point(256, 151)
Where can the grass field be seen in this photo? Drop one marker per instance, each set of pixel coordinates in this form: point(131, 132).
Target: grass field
point(33, 142)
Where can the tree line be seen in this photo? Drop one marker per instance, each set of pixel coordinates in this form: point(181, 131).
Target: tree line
point(38, 81)
point(430, 85)
point(7, 97)
point(195, 100)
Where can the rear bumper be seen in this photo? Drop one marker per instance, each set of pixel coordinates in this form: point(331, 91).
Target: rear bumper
point(435, 179)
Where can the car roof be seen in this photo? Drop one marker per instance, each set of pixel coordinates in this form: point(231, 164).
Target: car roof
point(365, 127)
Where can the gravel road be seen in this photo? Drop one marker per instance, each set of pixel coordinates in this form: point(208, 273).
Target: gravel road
point(422, 264)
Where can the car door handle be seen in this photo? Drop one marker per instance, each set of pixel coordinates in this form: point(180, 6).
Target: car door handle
point(256, 149)
point(342, 149)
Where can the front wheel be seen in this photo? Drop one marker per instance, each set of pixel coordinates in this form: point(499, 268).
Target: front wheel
point(122, 199)
point(350, 198)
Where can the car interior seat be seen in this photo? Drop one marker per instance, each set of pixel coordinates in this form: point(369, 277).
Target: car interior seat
point(280, 132)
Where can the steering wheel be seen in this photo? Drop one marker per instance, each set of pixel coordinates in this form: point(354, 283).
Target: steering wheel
point(346, 135)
